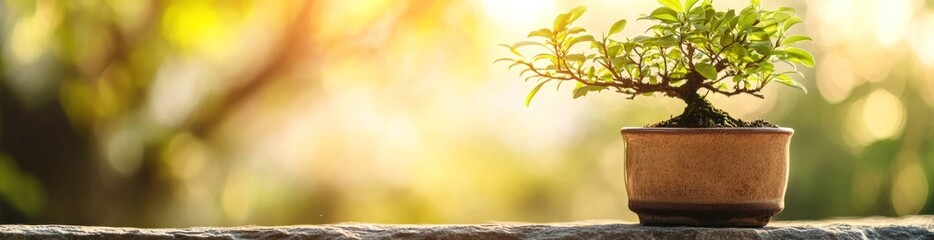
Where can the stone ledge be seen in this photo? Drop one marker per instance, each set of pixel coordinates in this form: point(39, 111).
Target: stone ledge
point(915, 227)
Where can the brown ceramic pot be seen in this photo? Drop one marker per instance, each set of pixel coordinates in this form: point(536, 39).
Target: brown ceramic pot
point(711, 177)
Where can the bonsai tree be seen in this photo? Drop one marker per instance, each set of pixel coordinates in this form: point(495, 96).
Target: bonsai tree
point(691, 51)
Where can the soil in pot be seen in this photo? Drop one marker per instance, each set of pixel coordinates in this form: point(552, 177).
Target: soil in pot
point(701, 114)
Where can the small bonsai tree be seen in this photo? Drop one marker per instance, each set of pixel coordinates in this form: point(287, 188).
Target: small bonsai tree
point(692, 50)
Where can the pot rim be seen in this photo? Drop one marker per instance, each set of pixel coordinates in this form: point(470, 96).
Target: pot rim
point(670, 130)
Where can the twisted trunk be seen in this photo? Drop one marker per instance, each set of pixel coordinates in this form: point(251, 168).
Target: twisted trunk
point(699, 113)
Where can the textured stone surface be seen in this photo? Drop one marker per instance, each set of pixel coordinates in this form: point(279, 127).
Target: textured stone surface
point(916, 227)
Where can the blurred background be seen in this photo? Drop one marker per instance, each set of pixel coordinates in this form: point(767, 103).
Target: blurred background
point(181, 113)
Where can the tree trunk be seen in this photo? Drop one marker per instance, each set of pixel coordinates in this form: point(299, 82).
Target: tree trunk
point(699, 113)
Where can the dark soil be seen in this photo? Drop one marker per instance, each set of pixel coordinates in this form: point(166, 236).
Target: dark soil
point(701, 114)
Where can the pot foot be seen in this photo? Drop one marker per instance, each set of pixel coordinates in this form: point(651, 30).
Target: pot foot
point(705, 215)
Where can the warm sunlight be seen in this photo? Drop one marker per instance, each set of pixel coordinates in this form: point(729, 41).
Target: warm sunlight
point(518, 14)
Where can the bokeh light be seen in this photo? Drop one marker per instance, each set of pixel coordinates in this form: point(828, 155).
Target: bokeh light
point(883, 115)
point(910, 188)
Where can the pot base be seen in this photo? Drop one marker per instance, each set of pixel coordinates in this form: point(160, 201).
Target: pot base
point(705, 215)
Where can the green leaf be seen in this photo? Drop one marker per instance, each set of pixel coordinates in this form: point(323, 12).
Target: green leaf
point(795, 38)
point(542, 56)
point(779, 16)
point(770, 29)
point(620, 61)
point(667, 41)
point(689, 4)
point(787, 10)
point(517, 63)
point(729, 15)
point(528, 99)
point(503, 59)
point(785, 79)
point(739, 51)
point(793, 72)
point(544, 32)
point(763, 48)
point(759, 35)
point(673, 5)
point(665, 15)
point(617, 27)
point(614, 50)
point(755, 2)
point(699, 40)
point(803, 56)
point(642, 39)
point(579, 39)
point(792, 21)
point(576, 13)
point(766, 67)
point(575, 57)
point(562, 21)
point(512, 49)
point(579, 90)
point(720, 85)
point(674, 53)
point(746, 19)
point(706, 70)
point(597, 45)
point(582, 89)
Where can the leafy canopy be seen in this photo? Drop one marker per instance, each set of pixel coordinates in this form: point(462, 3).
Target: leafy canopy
point(691, 47)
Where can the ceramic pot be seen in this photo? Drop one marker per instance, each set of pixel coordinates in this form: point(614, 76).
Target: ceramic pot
point(709, 177)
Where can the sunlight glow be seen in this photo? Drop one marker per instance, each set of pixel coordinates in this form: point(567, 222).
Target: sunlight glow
point(883, 114)
point(196, 26)
point(835, 78)
point(31, 34)
point(832, 30)
point(910, 188)
point(178, 87)
point(124, 150)
point(856, 135)
point(186, 156)
point(923, 40)
point(517, 13)
point(892, 19)
point(237, 199)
